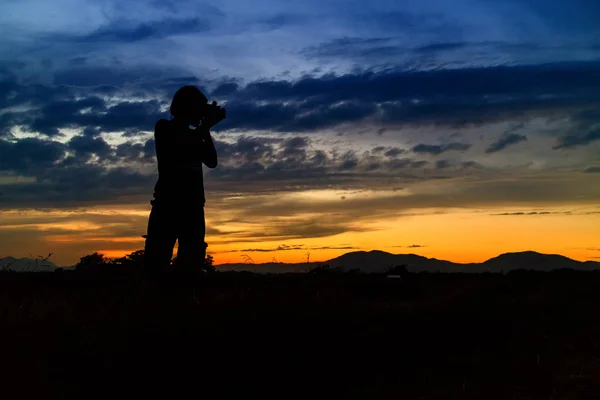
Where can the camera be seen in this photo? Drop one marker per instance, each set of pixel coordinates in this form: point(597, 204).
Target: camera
point(213, 114)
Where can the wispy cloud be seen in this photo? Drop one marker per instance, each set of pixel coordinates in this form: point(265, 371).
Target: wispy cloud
point(505, 141)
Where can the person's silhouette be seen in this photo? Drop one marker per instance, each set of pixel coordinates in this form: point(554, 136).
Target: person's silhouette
point(183, 144)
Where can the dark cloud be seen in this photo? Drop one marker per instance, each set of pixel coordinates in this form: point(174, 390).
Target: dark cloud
point(353, 47)
point(225, 89)
point(78, 185)
point(81, 171)
point(28, 156)
point(91, 171)
point(391, 49)
point(454, 97)
point(283, 247)
point(438, 47)
point(129, 150)
point(438, 149)
point(583, 131)
point(443, 164)
point(335, 248)
point(123, 31)
point(505, 141)
point(149, 150)
point(282, 20)
point(394, 152)
point(470, 164)
point(535, 213)
point(592, 169)
point(349, 160)
point(395, 84)
point(419, 164)
point(447, 97)
point(292, 247)
point(296, 148)
point(52, 107)
point(127, 116)
point(85, 146)
point(573, 140)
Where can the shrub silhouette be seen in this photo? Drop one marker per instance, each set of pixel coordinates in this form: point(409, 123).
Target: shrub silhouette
point(130, 262)
point(397, 270)
point(325, 269)
point(208, 264)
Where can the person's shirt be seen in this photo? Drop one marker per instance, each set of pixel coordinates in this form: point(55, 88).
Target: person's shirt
point(180, 153)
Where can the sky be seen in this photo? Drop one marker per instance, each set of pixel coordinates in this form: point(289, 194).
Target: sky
point(454, 129)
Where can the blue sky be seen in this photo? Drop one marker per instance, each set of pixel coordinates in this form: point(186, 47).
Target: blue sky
point(493, 101)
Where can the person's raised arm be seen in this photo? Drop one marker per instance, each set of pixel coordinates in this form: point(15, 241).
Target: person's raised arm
point(209, 152)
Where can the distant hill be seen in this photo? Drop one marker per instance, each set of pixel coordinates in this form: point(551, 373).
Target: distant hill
point(378, 261)
point(530, 260)
point(26, 265)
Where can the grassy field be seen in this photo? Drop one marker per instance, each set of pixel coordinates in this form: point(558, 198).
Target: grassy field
point(430, 336)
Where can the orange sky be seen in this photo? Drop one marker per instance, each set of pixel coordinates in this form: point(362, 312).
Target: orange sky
point(459, 236)
point(455, 234)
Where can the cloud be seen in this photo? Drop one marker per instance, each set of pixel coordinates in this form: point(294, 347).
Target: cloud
point(437, 47)
point(85, 146)
point(282, 247)
point(273, 228)
point(91, 170)
point(448, 97)
point(443, 164)
point(30, 155)
point(66, 175)
point(353, 47)
point(505, 141)
point(123, 31)
point(534, 213)
point(437, 52)
point(412, 246)
point(439, 149)
point(290, 248)
point(394, 152)
point(393, 96)
point(573, 140)
point(584, 129)
point(592, 169)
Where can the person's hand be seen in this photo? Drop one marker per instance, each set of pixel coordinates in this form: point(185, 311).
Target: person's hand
point(215, 115)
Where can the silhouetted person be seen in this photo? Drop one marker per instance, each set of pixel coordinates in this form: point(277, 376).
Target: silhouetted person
point(183, 144)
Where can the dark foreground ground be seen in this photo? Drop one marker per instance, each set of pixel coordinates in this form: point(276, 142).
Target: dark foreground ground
point(521, 336)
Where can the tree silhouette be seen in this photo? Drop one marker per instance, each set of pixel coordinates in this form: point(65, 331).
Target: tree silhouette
point(134, 260)
point(91, 262)
point(208, 264)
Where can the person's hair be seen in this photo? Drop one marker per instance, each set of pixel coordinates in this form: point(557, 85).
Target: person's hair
point(186, 101)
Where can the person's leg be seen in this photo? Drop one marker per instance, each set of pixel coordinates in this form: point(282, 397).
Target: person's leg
point(160, 238)
point(191, 251)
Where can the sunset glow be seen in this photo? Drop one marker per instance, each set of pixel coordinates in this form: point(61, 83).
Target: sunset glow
point(457, 129)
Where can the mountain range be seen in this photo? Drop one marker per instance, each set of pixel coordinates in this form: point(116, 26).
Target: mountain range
point(26, 265)
point(378, 261)
point(373, 261)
